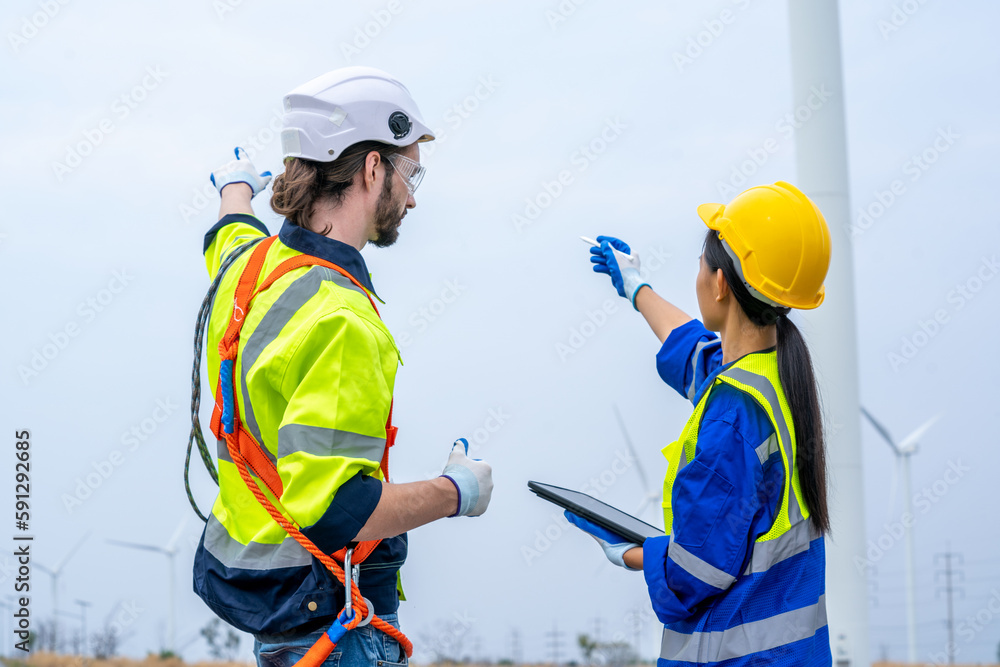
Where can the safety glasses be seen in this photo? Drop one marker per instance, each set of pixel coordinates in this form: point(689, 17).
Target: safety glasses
point(411, 170)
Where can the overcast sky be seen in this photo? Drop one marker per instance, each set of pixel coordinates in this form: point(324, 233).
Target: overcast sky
point(113, 115)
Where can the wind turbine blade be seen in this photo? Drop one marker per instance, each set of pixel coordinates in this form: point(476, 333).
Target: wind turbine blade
point(133, 545)
point(631, 449)
point(642, 507)
point(910, 441)
point(72, 551)
point(44, 569)
point(191, 638)
point(882, 430)
point(170, 548)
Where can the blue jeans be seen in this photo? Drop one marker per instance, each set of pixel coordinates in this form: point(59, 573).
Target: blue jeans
point(361, 647)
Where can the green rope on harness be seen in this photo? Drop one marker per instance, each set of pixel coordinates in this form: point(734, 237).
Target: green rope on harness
point(196, 435)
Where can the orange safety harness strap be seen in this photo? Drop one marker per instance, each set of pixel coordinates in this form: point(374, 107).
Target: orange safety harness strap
point(249, 457)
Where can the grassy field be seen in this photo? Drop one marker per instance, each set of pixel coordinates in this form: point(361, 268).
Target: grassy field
point(42, 659)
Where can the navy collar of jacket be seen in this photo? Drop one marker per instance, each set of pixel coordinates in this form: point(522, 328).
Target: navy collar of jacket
point(345, 256)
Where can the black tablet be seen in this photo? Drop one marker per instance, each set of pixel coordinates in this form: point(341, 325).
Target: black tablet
point(594, 510)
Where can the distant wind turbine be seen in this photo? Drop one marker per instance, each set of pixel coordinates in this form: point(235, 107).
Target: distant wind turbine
point(83, 624)
point(54, 574)
point(903, 450)
point(170, 550)
point(651, 495)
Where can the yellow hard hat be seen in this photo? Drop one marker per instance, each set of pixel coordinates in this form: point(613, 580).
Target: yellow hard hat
point(778, 240)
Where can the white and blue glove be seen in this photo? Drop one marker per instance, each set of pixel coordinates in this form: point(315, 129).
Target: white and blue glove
point(240, 170)
point(614, 545)
point(616, 259)
point(472, 477)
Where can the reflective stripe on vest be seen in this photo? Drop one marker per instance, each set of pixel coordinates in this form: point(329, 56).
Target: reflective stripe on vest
point(790, 534)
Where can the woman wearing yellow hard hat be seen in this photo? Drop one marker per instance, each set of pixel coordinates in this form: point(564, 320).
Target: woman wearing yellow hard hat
point(739, 577)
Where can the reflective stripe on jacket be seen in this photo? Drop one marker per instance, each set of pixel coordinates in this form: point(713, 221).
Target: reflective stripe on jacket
point(762, 603)
point(315, 374)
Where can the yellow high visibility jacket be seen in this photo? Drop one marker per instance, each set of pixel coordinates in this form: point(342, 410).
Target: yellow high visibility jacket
point(315, 374)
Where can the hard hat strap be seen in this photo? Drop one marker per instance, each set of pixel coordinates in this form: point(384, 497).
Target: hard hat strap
point(739, 271)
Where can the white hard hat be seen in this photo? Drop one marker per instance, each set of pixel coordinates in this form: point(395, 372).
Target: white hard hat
point(343, 107)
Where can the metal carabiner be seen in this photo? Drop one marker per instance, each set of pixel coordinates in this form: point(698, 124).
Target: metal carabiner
point(349, 581)
point(352, 575)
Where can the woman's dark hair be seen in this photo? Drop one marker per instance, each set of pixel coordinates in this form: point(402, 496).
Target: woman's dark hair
point(795, 370)
point(306, 183)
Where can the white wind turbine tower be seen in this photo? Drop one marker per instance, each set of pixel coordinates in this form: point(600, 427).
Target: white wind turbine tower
point(651, 495)
point(903, 450)
point(170, 550)
point(54, 574)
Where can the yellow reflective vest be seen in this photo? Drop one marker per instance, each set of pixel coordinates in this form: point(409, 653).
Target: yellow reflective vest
point(770, 607)
point(315, 373)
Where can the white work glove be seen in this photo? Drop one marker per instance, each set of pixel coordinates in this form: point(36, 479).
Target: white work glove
point(240, 170)
point(472, 477)
point(613, 258)
point(614, 545)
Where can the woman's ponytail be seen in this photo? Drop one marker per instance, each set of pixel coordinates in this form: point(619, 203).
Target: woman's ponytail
point(795, 370)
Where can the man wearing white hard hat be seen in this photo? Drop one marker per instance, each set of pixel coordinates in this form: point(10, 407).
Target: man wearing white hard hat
point(303, 369)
